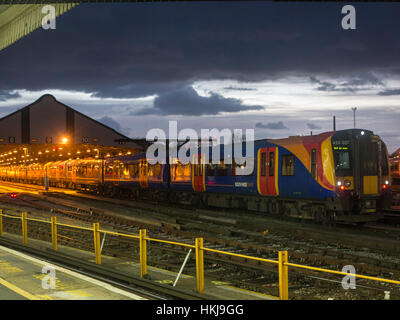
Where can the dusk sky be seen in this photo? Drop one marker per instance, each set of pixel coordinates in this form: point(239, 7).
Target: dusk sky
point(281, 68)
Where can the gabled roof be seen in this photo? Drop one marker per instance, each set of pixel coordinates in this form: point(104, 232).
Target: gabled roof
point(125, 138)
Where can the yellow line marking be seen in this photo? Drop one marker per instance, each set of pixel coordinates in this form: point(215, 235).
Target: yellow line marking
point(18, 290)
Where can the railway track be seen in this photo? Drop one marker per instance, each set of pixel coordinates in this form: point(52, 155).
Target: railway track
point(223, 231)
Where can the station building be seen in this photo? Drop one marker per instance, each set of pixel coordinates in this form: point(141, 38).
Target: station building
point(47, 130)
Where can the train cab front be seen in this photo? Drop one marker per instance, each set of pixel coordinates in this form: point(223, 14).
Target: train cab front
point(362, 174)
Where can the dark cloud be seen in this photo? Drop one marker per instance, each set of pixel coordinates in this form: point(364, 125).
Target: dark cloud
point(110, 122)
point(139, 49)
point(324, 85)
point(5, 95)
point(354, 83)
point(272, 125)
point(239, 89)
point(186, 101)
point(390, 92)
point(312, 126)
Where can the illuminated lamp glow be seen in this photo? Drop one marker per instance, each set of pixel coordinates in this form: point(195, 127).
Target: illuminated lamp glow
point(342, 187)
point(64, 140)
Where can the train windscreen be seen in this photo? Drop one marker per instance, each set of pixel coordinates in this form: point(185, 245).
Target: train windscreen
point(342, 156)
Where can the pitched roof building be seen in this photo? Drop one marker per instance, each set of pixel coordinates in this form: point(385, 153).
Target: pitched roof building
point(48, 121)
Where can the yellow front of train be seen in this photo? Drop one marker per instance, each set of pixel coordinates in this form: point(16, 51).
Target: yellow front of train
point(362, 172)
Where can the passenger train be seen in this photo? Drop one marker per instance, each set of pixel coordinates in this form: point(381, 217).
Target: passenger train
point(395, 172)
point(333, 176)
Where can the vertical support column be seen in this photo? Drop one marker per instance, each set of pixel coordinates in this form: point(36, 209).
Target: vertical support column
point(54, 232)
point(143, 252)
point(1, 222)
point(24, 228)
point(96, 236)
point(283, 276)
point(200, 265)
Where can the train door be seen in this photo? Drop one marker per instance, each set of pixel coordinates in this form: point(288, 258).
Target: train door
point(369, 159)
point(198, 175)
point(267, 171)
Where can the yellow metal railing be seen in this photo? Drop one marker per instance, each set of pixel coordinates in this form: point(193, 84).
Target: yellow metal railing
point(282, 262)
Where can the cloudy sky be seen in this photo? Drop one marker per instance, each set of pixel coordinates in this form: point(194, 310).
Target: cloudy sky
point(280, 68)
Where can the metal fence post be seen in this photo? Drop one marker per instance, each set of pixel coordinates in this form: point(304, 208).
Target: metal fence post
point(54, 232)
point(1, 222)
point(24, 228)
point(200, 265)
point(143, 252)
point(96, 236)
point(283, 276)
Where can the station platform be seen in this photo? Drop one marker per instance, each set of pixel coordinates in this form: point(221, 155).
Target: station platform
point(23, 277)
point(25, 273)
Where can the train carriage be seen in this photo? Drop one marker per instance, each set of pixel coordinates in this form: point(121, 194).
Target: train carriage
point(333, 176)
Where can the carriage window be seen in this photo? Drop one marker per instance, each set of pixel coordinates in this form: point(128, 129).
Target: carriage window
point(271, 164)
point(234, 165)
point(263, 163)
point(157, 170)
point(288, 165)
point(150, 170)
point(178, 170)
point(210, 170)
point(133, 170)
point(313, 162)
point(222, 169)
point(109, 170)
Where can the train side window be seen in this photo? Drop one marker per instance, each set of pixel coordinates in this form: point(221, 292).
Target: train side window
point(222, 169)
point(313, 163)
point(133, 170)
point(109, 170)
point(157, 170)
point(271, 164)
point(233, 168)
point(288, 165)
point(210, 170)
point(195, 170)
point(150, 170)
point(263, 163)
point(179, 170)
point(187, 170)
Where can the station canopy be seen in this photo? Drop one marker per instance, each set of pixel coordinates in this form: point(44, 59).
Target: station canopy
point(20, 18)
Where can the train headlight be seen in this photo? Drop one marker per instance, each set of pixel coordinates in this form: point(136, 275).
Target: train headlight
point(339, 183)
point(347, 183)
